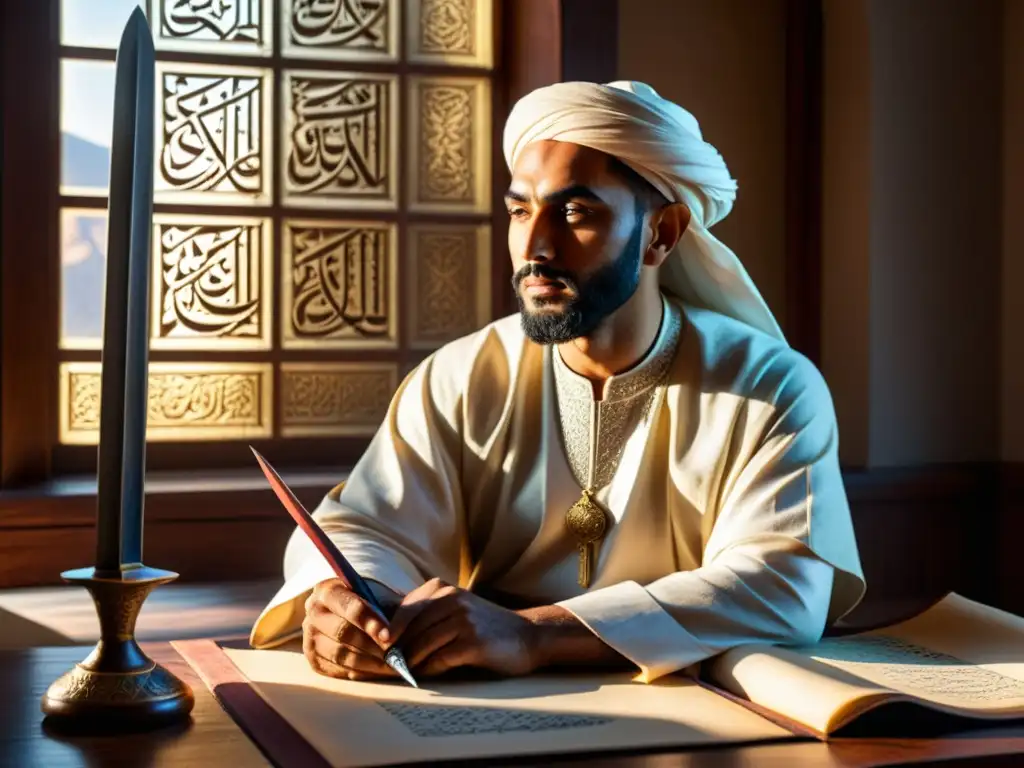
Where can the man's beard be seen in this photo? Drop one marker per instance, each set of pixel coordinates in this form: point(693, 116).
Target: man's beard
point(596, 298)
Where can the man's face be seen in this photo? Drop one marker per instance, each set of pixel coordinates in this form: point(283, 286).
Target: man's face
point(576, 238)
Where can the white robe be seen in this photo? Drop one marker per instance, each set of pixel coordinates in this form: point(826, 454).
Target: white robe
point(730, 520)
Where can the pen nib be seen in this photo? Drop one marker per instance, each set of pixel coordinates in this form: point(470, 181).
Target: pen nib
point(396, 661)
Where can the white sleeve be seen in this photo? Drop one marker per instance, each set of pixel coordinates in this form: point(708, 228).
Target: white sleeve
point(781, 561)
point(771, 591)
point(398, 519)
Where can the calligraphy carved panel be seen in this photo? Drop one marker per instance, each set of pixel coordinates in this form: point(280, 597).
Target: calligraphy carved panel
point(187, 401)
point(341, 30)
point(338, 285)
point(450, 150)
point(454, 32)
point(336, 399)
point(213, 134)
point(223, 26)
point(211, 282)
point(341, 139)
point(449, 281)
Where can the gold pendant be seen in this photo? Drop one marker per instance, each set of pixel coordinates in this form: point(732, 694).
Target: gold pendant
point(587, 523)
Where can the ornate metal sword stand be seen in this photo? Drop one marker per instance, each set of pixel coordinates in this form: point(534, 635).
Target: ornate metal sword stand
point(118, 687)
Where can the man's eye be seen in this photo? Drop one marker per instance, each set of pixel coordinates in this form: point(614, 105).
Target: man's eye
point(574, 211)
point(516, 211)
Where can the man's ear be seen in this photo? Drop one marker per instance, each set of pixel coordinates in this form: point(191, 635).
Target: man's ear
point(669, 223)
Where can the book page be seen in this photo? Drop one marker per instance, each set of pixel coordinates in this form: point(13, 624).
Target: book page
point(991, 639)
point(793, 685)
point(959, 656)
point(363, 723)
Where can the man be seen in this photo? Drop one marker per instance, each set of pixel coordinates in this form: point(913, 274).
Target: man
point(636, 470)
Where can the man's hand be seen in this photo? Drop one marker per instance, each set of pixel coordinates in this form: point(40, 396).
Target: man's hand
point(342, 636)
point(440, 627)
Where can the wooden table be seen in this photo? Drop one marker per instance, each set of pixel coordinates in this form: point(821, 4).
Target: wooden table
point(213, 739)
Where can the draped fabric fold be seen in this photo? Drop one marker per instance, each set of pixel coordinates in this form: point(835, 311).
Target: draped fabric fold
point(731, 521)
point(663, 143)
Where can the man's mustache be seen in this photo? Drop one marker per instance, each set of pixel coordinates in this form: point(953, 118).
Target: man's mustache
point(544, 272)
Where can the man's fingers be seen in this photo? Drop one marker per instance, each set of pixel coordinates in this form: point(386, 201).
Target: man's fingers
point(317, 663)
point(352, 659)
point(327, 668)
point(342, 631)
point(413, 616)
point(426, 589)
point(346, 605)
point(403, 615)
point(307, 636)
point(313, 641)
point(459, 653)
point(361, 615)
point(433, 612)
point(349, 636)
point(421, 645)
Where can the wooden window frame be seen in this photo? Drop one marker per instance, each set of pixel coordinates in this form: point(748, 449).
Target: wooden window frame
point(193, 515)
point(28, 356)
point(30, 451)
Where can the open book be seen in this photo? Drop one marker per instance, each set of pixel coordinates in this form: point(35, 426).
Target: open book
point(957, 661)
point(956, 664)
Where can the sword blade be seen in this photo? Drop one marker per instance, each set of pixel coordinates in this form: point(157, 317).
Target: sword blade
point(124, 381)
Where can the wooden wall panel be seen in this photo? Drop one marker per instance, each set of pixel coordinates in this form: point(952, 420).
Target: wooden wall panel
point(224, 534)
point(923, 532)
point(804, 115)
point(531, 46)
point(217, 550)
point(590, 40)
point(28, 285)
point(1006, 539)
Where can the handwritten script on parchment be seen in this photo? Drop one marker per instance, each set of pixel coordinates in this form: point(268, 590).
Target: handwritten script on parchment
point(461, 721)
point(905, 666)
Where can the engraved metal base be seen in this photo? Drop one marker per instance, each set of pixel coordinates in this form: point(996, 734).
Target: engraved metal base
point(118, 687)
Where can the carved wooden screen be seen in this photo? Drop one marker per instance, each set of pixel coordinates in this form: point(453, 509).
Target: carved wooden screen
point(323, 202)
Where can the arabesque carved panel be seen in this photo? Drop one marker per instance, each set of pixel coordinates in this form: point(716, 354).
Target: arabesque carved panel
point(187, 401)
point(450, 159)
point(344, 399)
point(449, 281)
point(455, 32)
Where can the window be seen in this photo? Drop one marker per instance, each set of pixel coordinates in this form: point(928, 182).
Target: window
point(323, 207)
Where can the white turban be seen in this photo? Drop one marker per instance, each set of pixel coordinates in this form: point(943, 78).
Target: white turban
point(662, 142)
